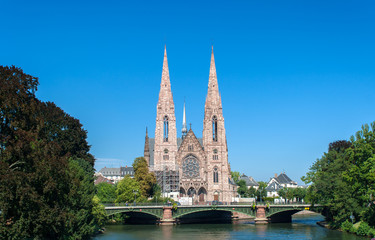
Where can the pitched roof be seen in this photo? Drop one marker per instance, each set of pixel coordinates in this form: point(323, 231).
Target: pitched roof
point(274, 186)
point(249, 180)
point(283, 178)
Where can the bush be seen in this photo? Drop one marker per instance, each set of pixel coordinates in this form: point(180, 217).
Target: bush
point(347, 226)
point(363, 229)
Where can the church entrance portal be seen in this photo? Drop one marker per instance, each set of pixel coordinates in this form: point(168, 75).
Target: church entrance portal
point(216, 196)
point(202, 193)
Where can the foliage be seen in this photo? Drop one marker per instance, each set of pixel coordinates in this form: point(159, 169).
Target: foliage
point(45, 167)
point(106, 192)
point(251, 192)
point(261, 191)
point(235, 176)
point(98, 211)
point(146, 179)
point(242, 189)
point(291, 194)
point(343, 179)
point(363, 229)
point(128, 190)
point(347, 226)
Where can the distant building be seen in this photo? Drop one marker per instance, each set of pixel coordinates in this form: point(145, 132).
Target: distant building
point(100, 179)
point(250, 182)
point(278, 182)
point(116, 174)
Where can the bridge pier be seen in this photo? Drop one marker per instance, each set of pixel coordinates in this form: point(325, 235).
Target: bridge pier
point(261, 215)
point(167, 216)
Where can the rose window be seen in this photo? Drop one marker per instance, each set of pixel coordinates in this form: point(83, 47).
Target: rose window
point(190, 167)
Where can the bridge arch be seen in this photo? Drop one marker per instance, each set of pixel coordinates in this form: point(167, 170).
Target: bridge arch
point(139, 211)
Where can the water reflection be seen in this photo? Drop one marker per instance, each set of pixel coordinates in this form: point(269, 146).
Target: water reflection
point(302, 228)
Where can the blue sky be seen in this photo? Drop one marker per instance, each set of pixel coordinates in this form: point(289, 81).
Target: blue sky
point(293, 75)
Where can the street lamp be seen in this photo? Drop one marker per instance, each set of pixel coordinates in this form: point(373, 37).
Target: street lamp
point(135, 196)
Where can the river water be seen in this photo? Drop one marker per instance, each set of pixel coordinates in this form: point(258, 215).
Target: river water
point(302, 227)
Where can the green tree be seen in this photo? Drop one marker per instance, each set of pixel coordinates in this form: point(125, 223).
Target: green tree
point(144, 177)
point(98, 211)
point(45, 168)
point(261, 191)
point(235, 176)
point(106, 192)
point(242, 189)
point(128, 189)
point(251, 192)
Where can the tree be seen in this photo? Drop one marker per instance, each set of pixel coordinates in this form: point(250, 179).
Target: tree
point(235, 176)
point(261, 192)
point(343, 179)
point(143, 176)
point(251, 192)
point(106, 192)
point(45, 168)
point(98, 211)
point(128, 190)
point(242, 189)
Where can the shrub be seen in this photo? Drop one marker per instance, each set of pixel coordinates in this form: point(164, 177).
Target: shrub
point(347, 226)
point(363, 229)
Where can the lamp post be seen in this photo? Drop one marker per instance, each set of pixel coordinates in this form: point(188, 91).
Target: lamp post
point(135, 196)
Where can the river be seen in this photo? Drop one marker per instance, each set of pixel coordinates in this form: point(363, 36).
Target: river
point(302, 227)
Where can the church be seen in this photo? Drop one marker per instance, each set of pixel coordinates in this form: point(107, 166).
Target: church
point(195, 168)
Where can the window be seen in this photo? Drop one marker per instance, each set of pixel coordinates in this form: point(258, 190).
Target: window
point(165, 157)
point(190, 167)
point(215, 157)
point(165, 120)
point(190, 148)
point(216, 175)
point(214, 129)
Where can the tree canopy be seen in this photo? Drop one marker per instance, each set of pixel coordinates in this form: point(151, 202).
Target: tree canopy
point(344, 179)
point(47, 184)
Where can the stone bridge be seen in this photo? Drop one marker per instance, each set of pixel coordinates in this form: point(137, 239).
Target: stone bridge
point(262, 214)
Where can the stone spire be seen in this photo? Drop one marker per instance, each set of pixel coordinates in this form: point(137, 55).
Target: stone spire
point(146, 153)
point(165, 146)
point(213, 98)
point(184, 128)
point(165, 94)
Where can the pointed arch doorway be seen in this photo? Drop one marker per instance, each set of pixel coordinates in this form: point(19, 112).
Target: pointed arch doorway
point(202, 193)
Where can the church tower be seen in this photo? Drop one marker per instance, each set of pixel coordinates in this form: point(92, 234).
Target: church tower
point(215, 142)
point(165, 147)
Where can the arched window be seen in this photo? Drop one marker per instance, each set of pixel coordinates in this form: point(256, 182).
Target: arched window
point(214, 129)
point(216, 175)
point(166, 130)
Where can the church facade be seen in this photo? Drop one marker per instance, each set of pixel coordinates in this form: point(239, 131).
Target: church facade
point(194, 167)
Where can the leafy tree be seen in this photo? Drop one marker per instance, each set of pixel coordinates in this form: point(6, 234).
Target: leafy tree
point(98, 211)
point(251, 192)
point(261, 191)
point(144, 177)
point(106, 192)
point(235, 176)
point(344, 180)
point(128, 189)
point(242, 189)
point(45, 168)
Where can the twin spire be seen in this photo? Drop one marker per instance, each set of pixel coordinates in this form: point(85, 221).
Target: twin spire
point(213, 98)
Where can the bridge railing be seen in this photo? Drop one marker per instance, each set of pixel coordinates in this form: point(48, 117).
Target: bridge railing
point(204, 203)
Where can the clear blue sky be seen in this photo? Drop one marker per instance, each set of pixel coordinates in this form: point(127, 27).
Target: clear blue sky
point(293, 75)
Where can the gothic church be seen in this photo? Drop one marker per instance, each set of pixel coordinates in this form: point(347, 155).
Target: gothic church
point(193, 167)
